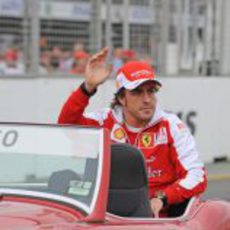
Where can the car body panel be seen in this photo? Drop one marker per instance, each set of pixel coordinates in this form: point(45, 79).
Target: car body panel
point(14, 214)
point(24, 209)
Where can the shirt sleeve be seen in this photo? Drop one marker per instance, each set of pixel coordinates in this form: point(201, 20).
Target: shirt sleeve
point(73, 110)
point(190, 169)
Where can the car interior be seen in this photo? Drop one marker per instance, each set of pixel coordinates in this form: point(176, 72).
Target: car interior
point(128, 190)
point(59, 181)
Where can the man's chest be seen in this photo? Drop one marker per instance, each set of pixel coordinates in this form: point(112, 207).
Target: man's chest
point(154, 143)
point(149, 141)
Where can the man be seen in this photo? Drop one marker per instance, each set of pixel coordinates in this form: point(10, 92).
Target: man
point(175, 172)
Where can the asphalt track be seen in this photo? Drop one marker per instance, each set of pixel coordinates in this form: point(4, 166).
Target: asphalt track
point(218, 181)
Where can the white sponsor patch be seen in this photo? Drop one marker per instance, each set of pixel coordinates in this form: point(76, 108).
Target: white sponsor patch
point(118, 134)
point(181, 127)
point(151, 173)
point(161, 137)
point(141, 73)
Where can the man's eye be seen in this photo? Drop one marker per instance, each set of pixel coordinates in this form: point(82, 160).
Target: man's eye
point(152, 90)
point(136, 91)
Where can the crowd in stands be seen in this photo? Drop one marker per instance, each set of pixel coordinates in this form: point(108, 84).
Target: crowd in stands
point(74, 62)
point(11, 62)
point(56, 60)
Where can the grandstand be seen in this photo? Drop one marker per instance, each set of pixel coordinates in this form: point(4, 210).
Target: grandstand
point(178, 37)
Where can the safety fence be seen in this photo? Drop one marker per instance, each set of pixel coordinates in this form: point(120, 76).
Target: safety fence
point(57, 36)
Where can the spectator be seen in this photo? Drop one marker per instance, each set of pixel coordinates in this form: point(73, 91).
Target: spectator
point(66, 61)
point(43, 44)
point(11, 64)
point(79, 64)
point(117, 60)
point(56, 57)
point(45, 63)
point(129, 55)
point(78, 46)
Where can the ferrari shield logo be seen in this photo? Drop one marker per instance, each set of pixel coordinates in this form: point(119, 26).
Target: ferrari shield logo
point(146, 140)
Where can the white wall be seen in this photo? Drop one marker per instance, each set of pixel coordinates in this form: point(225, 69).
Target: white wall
point(40, 100)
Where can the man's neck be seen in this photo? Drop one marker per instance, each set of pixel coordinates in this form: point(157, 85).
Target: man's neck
point(132, 122)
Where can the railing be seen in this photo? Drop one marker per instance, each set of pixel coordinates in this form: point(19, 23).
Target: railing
point(178, 37)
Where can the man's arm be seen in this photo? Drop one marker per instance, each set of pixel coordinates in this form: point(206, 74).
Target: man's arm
point(96, 74)
point(74, 107)
point(192, 179)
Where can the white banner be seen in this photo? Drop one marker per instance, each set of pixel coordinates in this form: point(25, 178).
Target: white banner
point(11, 8)
point(136, 14)
point(81, 11)
point(66, 10)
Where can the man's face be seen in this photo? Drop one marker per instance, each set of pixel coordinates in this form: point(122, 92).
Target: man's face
point(139, 104)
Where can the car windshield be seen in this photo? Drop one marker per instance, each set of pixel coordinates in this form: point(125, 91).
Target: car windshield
point(54, 162)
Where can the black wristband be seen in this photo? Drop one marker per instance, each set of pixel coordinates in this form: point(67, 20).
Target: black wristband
point(85, 91)
point(164, 200)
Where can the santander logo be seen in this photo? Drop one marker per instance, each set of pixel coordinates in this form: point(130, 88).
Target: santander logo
point(141, 73)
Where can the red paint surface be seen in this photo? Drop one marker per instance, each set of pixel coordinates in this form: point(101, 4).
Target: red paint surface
point(20, 213)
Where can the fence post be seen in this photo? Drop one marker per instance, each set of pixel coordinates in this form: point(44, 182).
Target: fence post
point(164, 36)
point(96, 26)
point(34, 36)
point(108, 20)
point(126, 32)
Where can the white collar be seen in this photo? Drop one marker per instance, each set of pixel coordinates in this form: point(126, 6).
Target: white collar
point(133, 129)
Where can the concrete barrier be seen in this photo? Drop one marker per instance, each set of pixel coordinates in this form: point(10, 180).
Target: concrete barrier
point(201, 102)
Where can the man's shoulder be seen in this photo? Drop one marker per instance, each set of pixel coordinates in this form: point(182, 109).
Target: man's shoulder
point(170, 116)
point(174, 121)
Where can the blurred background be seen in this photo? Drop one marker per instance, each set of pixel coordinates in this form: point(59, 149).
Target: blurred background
point(45, 45)
point(187, 37)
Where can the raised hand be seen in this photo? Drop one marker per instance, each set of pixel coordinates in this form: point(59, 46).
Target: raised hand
point(96, 70)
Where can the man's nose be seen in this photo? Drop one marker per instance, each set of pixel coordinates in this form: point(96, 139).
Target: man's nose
point(146, 96)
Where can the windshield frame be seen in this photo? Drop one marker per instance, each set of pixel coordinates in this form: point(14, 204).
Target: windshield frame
point(97, 209)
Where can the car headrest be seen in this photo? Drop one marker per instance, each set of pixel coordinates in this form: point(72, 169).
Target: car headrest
point(127, 167)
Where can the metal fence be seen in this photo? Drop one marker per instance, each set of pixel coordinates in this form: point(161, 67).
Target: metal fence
point(177, 37)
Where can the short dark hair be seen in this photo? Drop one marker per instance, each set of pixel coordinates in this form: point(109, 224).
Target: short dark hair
point(116, 97)
point(121, 93)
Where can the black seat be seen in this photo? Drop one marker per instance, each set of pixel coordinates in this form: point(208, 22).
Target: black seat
point(128, 192)
point(176, 210)
point(59, 181)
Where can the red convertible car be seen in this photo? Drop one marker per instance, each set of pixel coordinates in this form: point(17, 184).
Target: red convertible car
point(66, 177)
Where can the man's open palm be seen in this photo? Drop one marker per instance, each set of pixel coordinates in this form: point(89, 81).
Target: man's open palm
point(96, 70)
